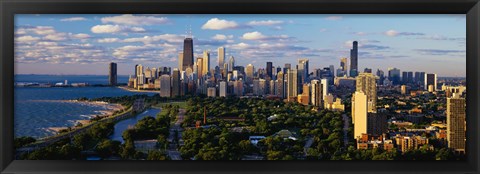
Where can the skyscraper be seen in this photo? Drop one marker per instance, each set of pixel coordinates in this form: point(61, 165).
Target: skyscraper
point(342, 70)
point(269, 70)
point(176, 83)
point(317, 93)
point(324, 83)
point(249, 73)
point(354, 59)
point(206, 62)
point(221, 56)
point(223, 89)
point(280, 90)
point(359, 114)
point(112, 74)
point(394, 75)
point(292, 84)
point(302, 72)
point(366, 82)
point(180, 61)
point(231, 63)
point(165, 86)
point(456, 113)
point(431, 79)
point(199, 64)
point(187, 53)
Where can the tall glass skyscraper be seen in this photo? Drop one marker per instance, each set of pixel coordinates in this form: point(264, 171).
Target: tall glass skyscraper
point(187, 53)
point(354, 60)
point(112, 74)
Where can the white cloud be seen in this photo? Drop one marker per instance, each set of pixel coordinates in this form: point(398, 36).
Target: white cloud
point(73, 19)
point(394, 33)
point(219, 24)
point(391, 33)
point(323, 30)
point(108, 40)
point(81, 36)
point(259, 36)
point(56, 37)
point(116, 29)
point(334, 18)
point(171, 38)
point(129, 19)
point(240, 46)
point(265, 23)
point(222, 37)
point(41, 30)
point(253, 36)
point(27, 39)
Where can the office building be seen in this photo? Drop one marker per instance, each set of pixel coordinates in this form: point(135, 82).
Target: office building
point(231, 63)
point(176, 83)
point(112, 74)
point(206, 62)
point(317, 93)
point(431, 79)
point(394, 75)
point(221, 56)
point(187, 53)
point(292, 84)
point(269, 70)
point(211, 92)
point(165, 86)
point(280, 86)
point(354, 59)
point(180, 61)
point(222, 89)
point(249, 72)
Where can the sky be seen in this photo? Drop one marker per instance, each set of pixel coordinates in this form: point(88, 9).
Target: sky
point(84, 44)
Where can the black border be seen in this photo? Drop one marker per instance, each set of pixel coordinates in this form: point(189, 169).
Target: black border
point(10, 7)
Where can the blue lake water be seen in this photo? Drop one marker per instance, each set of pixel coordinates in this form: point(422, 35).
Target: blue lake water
point(125, 124)
point(90, 79)
point(36, 109)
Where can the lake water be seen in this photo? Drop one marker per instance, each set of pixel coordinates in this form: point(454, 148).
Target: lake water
point(36, 109)
point(123, 125)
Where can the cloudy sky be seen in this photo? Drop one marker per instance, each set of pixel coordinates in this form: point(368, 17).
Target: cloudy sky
point(85, 44)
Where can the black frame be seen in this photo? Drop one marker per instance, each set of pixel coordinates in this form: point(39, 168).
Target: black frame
point(10, 7)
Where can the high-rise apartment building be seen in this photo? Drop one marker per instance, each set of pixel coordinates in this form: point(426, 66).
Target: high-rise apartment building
point(456, 125)
point(206, 62)
point(292, 84)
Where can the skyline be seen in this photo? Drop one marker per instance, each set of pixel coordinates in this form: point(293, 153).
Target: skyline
point(150, 40)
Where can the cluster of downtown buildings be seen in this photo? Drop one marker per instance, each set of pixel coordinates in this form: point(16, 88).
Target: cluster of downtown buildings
point(321, 88)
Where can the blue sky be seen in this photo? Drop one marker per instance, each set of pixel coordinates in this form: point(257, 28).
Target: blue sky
point(85, 44)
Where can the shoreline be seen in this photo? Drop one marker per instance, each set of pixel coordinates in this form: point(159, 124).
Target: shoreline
point(111, 108)
point(136, 90)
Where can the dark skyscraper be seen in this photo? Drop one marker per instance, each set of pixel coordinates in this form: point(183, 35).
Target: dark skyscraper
point(112, 74)
point(354, 60)
point(135, 72)
point(187, 53)
point(404, 77)
point(176, 83)
point(269, 69)
point(410, 77)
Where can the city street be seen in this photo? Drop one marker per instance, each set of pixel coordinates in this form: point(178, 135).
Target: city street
point(172, 150)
